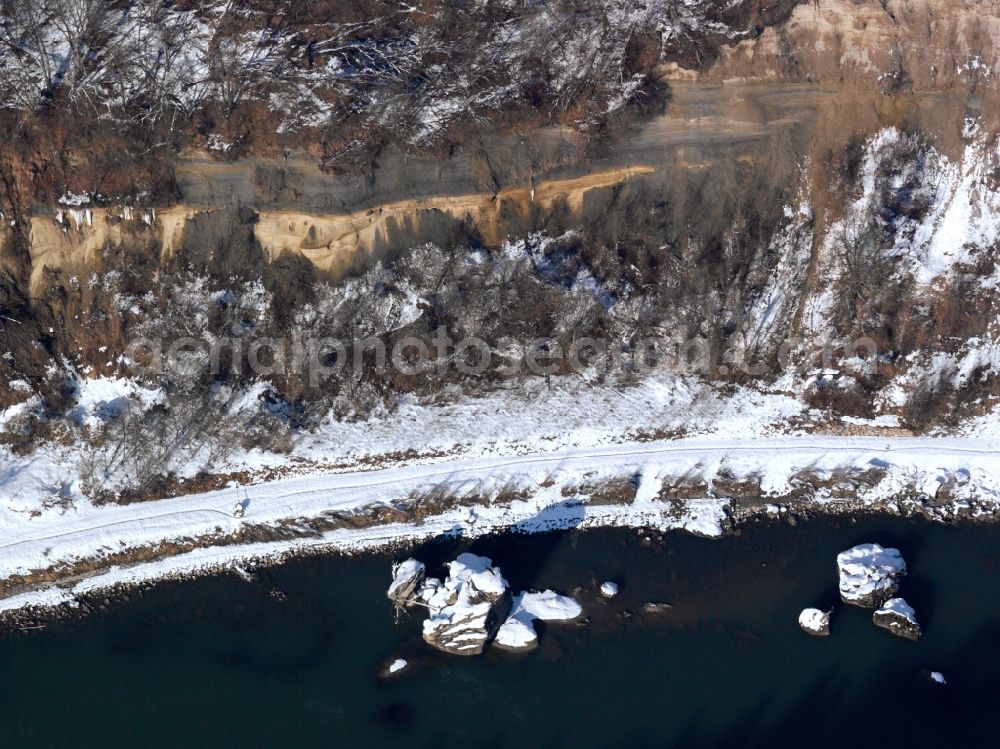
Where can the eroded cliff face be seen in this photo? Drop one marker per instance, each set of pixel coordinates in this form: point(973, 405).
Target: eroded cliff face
point(74, 241)
point(787, 100)
point(712, 137)
point(832, 176)
point(891, 46)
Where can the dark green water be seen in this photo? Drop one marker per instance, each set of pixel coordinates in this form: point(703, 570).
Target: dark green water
point(223, 663)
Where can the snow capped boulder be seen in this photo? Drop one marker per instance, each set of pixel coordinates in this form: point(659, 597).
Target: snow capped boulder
point(407, 578)
point(467, 608)
point(938, 678)
point(548, 606)
point(479, 574)
point(815, 622)
point(517, 633)
point(898, 617)
point(609, 589)
point(397, 665)
point(389, 670)
point(869, 574)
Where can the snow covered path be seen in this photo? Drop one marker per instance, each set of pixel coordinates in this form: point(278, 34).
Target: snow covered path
point(31, 543)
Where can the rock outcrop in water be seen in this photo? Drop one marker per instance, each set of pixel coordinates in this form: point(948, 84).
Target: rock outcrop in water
point(869, 574)
point(899, 618)
point(407, 579)
point(815, 622)
point(466, 608)
point(472, 606)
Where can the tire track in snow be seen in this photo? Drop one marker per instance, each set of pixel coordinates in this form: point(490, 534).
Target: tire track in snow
point(338, 488)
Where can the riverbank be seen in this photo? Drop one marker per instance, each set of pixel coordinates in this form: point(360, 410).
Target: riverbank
point(705, 487)
point(294, 654)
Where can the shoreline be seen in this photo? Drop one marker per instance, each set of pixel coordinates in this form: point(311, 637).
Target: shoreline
point(93, 593)
point(702, 485)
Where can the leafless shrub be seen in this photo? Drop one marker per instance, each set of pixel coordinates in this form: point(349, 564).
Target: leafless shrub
point(194, 429)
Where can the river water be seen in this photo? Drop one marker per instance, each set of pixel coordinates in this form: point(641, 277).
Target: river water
point(293, 658)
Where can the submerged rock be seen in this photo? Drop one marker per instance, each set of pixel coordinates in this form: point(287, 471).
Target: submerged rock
point(518, 634)
point(407, 578)
point(467, 608)
point(898, 617)
point(815, 622)
point(869, 574)
point(653, 607)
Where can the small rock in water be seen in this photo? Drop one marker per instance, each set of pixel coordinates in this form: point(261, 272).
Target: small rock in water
point(516, 636)
point(396, 666)
point(869, 574)
point(407, 578)
point(899, 618)
point(815, 622)
point(938, 678)
point(609, 589)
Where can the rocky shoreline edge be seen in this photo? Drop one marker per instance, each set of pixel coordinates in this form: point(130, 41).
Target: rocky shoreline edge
point(59, 602)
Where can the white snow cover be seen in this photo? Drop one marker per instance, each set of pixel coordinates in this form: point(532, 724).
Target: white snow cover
point(869, 571)
point(397, 665)
point(101, 398)
point(609, 589)
point(530, 419)
point(938, 678)
point(962, 218)
point(901, 607)
point(518, 631)
point(475, 573)
point(814, 620)
point(403, 574)
point(548, 606)
point(38, 531)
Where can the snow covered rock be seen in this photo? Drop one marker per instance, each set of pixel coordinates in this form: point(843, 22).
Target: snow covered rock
point(609, 589)
point(397, 665)
point(407, 578)
point(898, 617)
point(548, 606)
point(938, 678)
point(467, 608)
point(869, 574)
point(389, 670)
point(815, 622)
point(518, 634)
